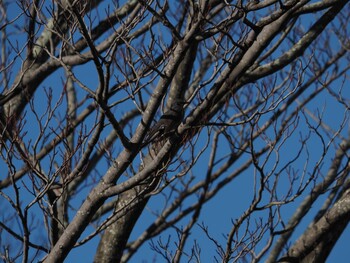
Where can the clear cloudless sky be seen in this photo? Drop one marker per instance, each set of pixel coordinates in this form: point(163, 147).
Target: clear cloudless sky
point(228, 205)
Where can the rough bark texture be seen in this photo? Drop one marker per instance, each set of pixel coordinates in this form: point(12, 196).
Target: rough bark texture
point(108, 105)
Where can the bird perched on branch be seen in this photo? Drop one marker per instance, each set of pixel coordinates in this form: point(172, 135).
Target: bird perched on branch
point(167, 123)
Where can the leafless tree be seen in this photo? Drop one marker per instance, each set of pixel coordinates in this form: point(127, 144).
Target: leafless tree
point(146, 125)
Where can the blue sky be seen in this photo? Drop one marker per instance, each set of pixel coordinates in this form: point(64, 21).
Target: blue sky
point(229, 204)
